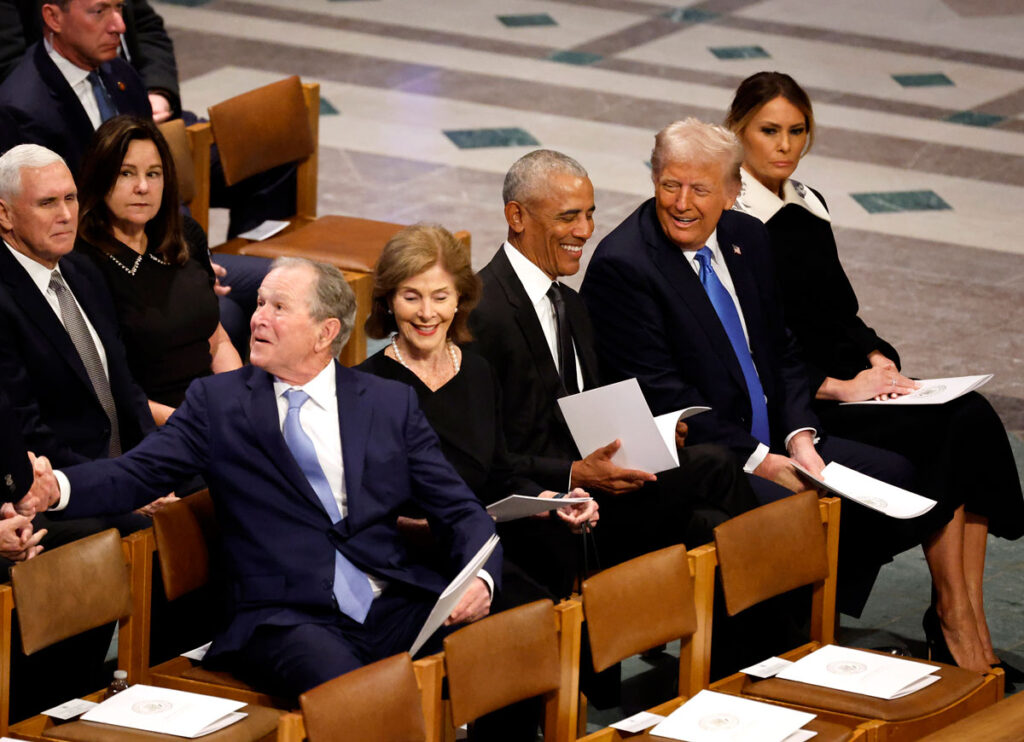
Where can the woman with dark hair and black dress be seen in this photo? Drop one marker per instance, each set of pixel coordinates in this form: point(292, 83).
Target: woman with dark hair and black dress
point(960, 448)
point(155, 260)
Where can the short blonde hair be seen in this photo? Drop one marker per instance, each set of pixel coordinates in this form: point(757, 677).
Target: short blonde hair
point(693, 140)
point(410, 252)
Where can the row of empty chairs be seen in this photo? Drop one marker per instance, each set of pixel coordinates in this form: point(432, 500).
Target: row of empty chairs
point(263, 129)
point(529, 651)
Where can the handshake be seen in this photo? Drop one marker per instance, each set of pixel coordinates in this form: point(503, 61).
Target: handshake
point(18, 539)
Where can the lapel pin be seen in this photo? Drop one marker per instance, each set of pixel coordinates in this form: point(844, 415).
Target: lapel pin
point(120, 86)
point(736, 250)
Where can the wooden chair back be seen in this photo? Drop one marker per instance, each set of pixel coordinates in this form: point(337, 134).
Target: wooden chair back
point(190, 150)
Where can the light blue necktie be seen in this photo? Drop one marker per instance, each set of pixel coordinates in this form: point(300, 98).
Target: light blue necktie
point(722, 301)
point(103, 102)
point(351, 587)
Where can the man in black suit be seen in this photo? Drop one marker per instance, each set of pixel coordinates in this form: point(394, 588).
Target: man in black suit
point(684, 293)
point(549, 207)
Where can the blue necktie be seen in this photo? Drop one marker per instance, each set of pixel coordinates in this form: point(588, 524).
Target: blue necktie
point(722, 301)
point(103, 102)
point(351, 587)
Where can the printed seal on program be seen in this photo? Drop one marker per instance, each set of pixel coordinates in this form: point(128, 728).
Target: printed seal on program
point(875, 502)
point(718, 722)
point(150, 708)
point(846, 667)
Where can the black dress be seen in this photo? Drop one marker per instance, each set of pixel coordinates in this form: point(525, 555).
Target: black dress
point(466, 414)
point(960, 449)
point(167, 314)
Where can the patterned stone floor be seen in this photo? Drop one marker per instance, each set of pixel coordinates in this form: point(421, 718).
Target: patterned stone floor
point(920, 150)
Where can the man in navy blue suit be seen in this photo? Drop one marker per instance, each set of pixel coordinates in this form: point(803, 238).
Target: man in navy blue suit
point(684, 293)
point(309, 464)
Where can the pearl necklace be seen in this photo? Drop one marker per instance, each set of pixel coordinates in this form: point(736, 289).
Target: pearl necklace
point(138, 259)
point(451, 354)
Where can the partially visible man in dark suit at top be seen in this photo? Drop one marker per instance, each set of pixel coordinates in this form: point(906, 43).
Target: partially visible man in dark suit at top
point(69, 83)
point(309, 464)
point(537, 336)
point(684, 293)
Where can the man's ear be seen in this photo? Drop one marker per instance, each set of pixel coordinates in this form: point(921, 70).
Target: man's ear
point(732, 192)
point(514, 215)
point(53, 17)
point(6, 224)
point(329, 330)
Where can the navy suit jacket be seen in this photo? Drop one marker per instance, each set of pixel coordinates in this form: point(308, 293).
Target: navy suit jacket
point(658, 325)
point(509, 335)
point(278, 540)
point(45, 110)
point(61, 417)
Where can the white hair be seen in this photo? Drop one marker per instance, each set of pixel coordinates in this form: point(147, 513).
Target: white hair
point(693, 140)
point(16, 159)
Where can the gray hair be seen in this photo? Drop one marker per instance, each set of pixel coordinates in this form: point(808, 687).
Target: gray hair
point(332, 297)
point(693, 140)
point(16, 159)
point(531, 172)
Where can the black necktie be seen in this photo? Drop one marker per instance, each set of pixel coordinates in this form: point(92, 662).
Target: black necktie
point(566, 355)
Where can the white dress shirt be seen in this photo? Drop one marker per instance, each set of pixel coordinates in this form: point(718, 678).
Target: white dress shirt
point(536, 283)
point(78, 79)
point(722, 271)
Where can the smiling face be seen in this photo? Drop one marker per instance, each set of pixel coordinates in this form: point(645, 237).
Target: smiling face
point(552, 228)
point(286, 341)
point(773, 142)
point(424, 306)
point(41, 221)
point(689, 199)
point(88, 32)
point(138, 189)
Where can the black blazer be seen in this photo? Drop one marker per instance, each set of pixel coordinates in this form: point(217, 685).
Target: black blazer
point(658, 325)
point(45, 110)
point(44, 377)
point(508, 334)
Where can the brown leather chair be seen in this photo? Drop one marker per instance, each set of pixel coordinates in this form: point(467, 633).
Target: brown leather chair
point(382, 702)
point(81, 586)
point(794, 542)
point(1000, 722)
point(531, 650)
point(190, 150)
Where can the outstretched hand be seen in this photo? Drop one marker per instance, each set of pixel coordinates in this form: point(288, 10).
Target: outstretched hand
point(44, 493)
point(596, 471)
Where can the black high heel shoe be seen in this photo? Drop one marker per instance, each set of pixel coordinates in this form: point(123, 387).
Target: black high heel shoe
point(938, 650)
point(1013, 674)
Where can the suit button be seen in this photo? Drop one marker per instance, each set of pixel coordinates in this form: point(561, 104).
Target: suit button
point(326, 584)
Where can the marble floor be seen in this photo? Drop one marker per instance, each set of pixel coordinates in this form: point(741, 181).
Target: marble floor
point(920, 148)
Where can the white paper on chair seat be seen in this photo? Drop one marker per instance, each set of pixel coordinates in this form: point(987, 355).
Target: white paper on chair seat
point(895, 502)
point(166, 711)
point(514, 507)
point(856, 671)
point(935, 391)
point(599, 416)
point(710, 717)
point(198, 653)
point(264, 231)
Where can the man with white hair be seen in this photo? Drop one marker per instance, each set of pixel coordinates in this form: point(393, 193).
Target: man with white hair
point(684, 293)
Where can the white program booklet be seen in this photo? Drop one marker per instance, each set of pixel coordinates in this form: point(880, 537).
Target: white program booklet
point(453, 593)
point(714, 717)
point(895, 502)
point(264, 231)
point(935, 391)
point(599, 416)
point(176, 712)
point(514, 507)
point(857, 671)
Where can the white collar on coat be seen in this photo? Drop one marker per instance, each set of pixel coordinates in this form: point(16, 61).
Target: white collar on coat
point(756, 200)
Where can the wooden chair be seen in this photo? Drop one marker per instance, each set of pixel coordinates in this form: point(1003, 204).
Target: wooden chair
point(517, 654)
point(794, 542)
point(1000, 722)
point(75, 588)
point(393, 700)
point(190, 149)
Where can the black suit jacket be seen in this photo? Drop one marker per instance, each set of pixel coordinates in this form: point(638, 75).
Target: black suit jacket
point(44, 377)
point(45, 110)
point(658, 325)
point(509, 335)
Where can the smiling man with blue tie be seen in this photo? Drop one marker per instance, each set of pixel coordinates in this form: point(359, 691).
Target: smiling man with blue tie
point(309, 464)
point(684, 293)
